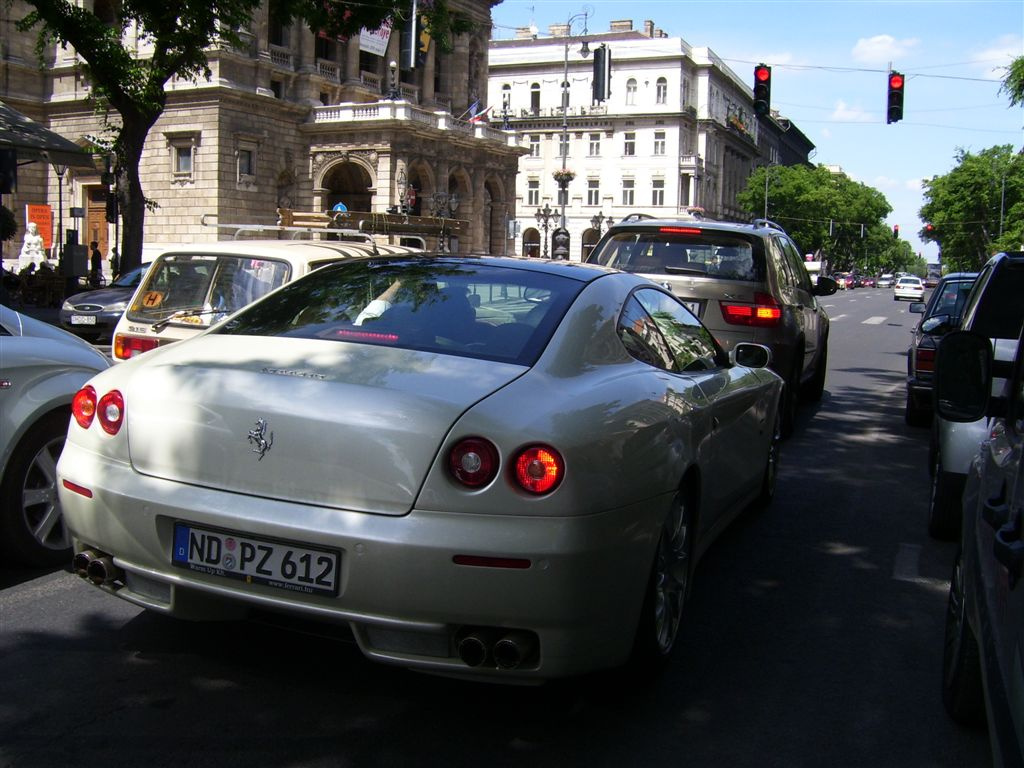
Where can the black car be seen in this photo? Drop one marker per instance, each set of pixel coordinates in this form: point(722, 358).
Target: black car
point(983, 662)
point(93, 314)
point(940, 315)
point(746, 282)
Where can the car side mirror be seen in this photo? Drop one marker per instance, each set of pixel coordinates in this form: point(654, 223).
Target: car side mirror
point(963, 376)
point(825, 286)
point(917, 307)
point(938, 324)
point(751, 355)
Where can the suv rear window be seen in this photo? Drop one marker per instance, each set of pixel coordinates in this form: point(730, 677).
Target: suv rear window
point(1000, 311)
point(683, 251)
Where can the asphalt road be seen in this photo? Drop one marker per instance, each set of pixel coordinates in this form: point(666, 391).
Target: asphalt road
point(813, 637)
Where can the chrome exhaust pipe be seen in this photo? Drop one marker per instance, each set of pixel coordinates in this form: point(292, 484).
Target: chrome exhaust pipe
point(474, 648)
point(515, 649)
point(80, 562)
point(102, 570)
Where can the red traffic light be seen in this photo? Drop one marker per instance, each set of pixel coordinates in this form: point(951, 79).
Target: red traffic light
point(762, 89)
point(762, 73)
point(896, 81)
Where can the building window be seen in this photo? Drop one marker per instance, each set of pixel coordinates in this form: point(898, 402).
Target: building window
point(593, 191)
point(277, 88)
point(325, 48)
point(627, 192)
point(684, 189)
point(533, 192)
point(563, 145)
point(630, 92)
point(182, 148)
point(629, 145)
point(658, 192)
point(534, 145)
point(246, 163)
point(661, 91)
point(595, 144)
point(535, 98)
point(277, 33)
point(183, 160)
point(659, 142)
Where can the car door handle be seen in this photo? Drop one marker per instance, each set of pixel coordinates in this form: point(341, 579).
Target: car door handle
point(995, 513)
point(1009, 551)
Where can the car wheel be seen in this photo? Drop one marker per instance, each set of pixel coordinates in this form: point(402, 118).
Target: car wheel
point(31, 524)
point(667, 589)
point(915, 415)
point(815, 387)
point(944, 506)
point(771, 468)
point(962, 692)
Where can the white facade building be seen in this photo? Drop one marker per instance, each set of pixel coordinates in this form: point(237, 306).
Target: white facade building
point(678, 131)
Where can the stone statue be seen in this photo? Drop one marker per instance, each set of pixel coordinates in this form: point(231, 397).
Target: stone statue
point(31, 247)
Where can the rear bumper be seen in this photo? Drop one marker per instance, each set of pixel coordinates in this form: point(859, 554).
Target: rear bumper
point(401, 594)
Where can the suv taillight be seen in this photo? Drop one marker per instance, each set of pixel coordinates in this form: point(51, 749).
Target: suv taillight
point(126, 347)
point(924, 358)
point(764, 312)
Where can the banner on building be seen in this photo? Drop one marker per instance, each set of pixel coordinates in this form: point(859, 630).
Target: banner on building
point(375, 41)
point(42, 215)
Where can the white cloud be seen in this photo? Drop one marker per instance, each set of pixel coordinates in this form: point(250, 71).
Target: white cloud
point(914, 185)
point(886, 182)
point(991, 62)
point(844, 113)
point(882, 49)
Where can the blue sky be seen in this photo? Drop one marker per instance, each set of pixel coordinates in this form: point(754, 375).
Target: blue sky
point(829, 62)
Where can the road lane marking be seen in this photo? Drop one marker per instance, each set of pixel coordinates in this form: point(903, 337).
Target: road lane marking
point(907, 567)
point(837, 317)
point(874, 321)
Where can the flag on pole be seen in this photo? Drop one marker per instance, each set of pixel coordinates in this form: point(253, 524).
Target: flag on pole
point(480, 117)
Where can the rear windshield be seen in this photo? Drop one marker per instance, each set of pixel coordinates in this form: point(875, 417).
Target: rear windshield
point(469, 309)
point(683, 251)
point(200, 289)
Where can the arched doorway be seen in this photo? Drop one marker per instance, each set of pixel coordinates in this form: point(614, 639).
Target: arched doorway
point(587, 242)
point(531, 243)
point(348, 183)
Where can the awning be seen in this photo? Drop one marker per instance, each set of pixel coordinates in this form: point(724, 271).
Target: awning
point(32, 141)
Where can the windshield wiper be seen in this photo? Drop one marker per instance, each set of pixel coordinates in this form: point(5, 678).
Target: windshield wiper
point(159, 325)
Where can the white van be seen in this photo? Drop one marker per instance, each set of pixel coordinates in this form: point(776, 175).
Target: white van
point(190, 287)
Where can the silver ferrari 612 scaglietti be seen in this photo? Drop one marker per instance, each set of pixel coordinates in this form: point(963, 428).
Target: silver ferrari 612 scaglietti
point(497, 467)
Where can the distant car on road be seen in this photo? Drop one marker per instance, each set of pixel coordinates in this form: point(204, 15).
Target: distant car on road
point(41, 368)
point(940, 315)
point(93, 314)
point(866, 282)
point(983, 667)
point(908, 287)
point(885, 281)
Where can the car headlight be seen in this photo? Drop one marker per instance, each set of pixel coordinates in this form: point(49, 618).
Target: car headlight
point(67, 306)
point(120, 306)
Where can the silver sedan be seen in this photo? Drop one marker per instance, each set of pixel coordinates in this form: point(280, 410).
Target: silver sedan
point(505, 468)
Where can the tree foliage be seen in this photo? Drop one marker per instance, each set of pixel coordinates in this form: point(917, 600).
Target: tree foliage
point(181, 34)
point(1013, 83)
point(830, 215)
point(976, 209)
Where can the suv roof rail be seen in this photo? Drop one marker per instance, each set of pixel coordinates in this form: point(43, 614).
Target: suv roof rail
point(634, 217)
point(768, 223)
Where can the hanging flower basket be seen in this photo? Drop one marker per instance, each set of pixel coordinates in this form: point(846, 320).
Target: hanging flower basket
point(563, 176)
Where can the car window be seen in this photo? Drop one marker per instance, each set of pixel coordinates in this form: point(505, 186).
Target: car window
point(1000, 310)
point(796, 265)
point(692, 345)
point(467, 309)
point(683, 251)
point(949, 299)
point(642, 338)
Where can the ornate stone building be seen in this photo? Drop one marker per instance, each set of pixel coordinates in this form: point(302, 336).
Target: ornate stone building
point(293, 120)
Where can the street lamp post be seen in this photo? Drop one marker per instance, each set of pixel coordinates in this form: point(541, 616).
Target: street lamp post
point(544, 216)
point(394, 94)
point(596, 220)
point(60, 170)
point(445, 205)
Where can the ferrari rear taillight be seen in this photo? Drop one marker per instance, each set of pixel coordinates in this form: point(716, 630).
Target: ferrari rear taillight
point(83, 406)
point(126, 347)
point(539, 469)
point(924, 358)
point(473, 462)
point(110, 412)
point(764, 312)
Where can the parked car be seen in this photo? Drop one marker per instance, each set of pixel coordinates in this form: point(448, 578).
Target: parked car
point(983, 675)
point(940, 315)
point(497, 467)
point(866, 282)
point(995, 310)
point(93, 314)
point(908, 287)
point(42, 368)
point(885, 281)
point(190, 287)
point(746, 282)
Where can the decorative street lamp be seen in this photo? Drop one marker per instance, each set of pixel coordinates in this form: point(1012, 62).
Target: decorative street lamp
point(544, 216)
point(596, 220)
point(393, 93)
point(60, 170)
point(445, 205)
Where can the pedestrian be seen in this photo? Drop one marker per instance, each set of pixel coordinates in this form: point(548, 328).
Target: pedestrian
point(96, 264)
point(115, 264)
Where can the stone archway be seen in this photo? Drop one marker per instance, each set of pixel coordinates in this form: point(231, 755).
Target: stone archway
point(349, 183)
point(531, 242)
point(495, 218)
point(587, 242)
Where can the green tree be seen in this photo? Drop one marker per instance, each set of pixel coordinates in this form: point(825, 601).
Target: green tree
point(1013, 84)
point(825, 212)
point(976, 209)
point(181, 34)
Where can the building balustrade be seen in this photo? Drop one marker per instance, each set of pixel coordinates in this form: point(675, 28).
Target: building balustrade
point(281, 57)
point(328, 70)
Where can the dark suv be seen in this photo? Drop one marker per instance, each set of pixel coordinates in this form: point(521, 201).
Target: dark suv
point(746, 282)
point(939, 316)
point(995, 310)
point(983, 677)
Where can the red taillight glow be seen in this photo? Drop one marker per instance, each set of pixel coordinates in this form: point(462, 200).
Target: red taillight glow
point(764, 312)
point(110, 412)
point(924, 359)
point(81, 490)
point(126, 347)
point(473, 462)
point(539, 469)
point(679, 230)
point(83, 406)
